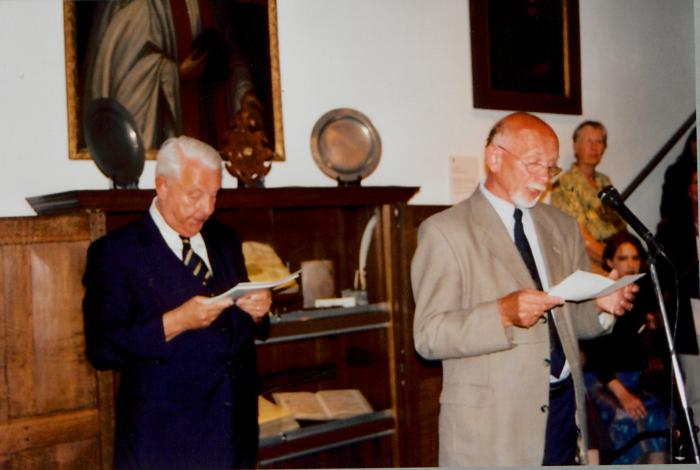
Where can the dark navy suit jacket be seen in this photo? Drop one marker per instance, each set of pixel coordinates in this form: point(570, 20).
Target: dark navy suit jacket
point(190, 402)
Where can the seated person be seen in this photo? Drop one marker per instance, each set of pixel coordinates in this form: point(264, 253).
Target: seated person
point(614, 364)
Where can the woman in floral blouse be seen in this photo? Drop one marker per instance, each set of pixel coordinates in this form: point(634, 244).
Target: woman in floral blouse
point(576, 191)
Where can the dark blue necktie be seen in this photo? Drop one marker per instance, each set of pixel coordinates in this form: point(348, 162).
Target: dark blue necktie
point(557, 357)
point(194, 263)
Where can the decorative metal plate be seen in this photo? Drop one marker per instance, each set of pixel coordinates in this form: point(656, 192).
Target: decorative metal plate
point(345, 145)
point(114, 142)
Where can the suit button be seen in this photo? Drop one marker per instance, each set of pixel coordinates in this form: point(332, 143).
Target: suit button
point(227, 404)
point(547, 362)
point(544, 408)
point(577, 459)
point(543, 319)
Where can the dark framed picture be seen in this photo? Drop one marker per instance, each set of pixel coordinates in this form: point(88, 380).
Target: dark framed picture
point(177, 66)
point(526, 55)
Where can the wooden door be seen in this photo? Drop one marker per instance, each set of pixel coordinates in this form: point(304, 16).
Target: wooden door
point(55, 409)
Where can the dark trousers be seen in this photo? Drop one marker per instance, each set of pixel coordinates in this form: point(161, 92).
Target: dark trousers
point(561, 436)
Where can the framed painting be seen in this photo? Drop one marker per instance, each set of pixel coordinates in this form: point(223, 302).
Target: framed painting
point(177, 66)
point(526, 55)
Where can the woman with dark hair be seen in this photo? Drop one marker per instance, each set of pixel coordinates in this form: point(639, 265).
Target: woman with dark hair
point(614, 364)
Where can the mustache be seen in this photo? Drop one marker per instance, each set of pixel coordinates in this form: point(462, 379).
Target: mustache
point(536, 187)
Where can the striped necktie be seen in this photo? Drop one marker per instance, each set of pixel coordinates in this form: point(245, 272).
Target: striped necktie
point(194, 263)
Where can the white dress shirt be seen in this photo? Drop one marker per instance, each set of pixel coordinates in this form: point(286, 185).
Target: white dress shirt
point(505, 210)
point(172, 238)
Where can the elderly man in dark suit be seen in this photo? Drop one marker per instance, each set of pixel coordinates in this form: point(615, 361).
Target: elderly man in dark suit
point(188, 390)
point(513, 392)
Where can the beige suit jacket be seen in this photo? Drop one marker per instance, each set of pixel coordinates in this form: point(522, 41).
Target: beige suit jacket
point(493, 405)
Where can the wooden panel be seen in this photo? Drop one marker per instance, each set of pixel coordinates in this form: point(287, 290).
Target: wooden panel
point(4, 384)
point(53, 414)
point(420, 380)
point(17, 314)
point(64, 379)
point(69, 456)
point(70, 227)
point(23, 434)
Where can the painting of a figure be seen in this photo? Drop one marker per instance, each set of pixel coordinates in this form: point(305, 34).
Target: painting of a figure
point(178, 66)
point(525, 55)
point(526, 46)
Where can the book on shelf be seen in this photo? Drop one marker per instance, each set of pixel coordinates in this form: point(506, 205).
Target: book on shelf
point(323, 405)
point(274, 419)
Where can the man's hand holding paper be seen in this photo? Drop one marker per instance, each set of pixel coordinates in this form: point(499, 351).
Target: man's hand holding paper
point(612, 294)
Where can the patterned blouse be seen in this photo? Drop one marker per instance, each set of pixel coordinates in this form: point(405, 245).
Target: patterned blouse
point(573, 194)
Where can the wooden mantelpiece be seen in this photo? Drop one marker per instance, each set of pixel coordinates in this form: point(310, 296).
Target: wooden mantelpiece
point(128, 200)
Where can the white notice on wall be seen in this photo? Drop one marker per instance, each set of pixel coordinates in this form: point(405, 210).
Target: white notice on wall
point(464, 177)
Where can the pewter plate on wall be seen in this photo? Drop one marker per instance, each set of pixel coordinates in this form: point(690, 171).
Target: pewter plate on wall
point(345, 145)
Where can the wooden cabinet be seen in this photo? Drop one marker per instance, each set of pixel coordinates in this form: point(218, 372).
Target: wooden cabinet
point(360, 347)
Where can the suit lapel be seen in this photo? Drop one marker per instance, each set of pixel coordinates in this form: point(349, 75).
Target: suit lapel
point(550, 245)
point(220, 281)
point(495, 238)
point(172, 274)
point(224, 263)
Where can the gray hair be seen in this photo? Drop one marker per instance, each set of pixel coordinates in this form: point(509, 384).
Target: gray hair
point(173, 150)
point(595, 125)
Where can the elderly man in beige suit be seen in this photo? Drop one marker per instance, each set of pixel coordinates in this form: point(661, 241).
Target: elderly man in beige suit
point(481, 309)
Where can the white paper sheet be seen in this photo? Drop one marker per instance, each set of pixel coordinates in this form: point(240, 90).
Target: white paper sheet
point(583, 285)
point(243, 288)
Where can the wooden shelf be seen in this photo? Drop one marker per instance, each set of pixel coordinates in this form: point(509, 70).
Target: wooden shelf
point(315, 323)
point(328, 435)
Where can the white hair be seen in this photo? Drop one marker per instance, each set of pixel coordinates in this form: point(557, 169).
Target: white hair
point(173, 150)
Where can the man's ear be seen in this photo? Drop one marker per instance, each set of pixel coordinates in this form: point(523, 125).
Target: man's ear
point(492, 157)
point(161, 187)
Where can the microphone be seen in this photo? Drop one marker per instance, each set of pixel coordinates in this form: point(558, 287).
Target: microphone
point(612, 198)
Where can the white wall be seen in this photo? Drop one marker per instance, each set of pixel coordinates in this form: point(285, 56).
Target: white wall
point(404, 63)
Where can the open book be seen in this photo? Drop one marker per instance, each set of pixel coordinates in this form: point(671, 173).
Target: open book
point(274, 419)
point(243, 288)
point(324, 405)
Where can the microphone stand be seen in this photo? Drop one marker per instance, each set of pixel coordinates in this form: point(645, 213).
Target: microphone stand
point(611, 197)
point(692, 437)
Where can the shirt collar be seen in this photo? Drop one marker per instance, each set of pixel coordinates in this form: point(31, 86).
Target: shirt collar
point(171, 237)
point(503, 208)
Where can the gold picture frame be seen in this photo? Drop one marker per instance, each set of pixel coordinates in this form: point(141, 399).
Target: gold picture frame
point(263, 62)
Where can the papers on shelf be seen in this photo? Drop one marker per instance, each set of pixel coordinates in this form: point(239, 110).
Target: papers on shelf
point(243, 288)
point(583, 285)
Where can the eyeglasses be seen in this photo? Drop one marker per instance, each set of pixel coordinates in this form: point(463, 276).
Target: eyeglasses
point(535, 168)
